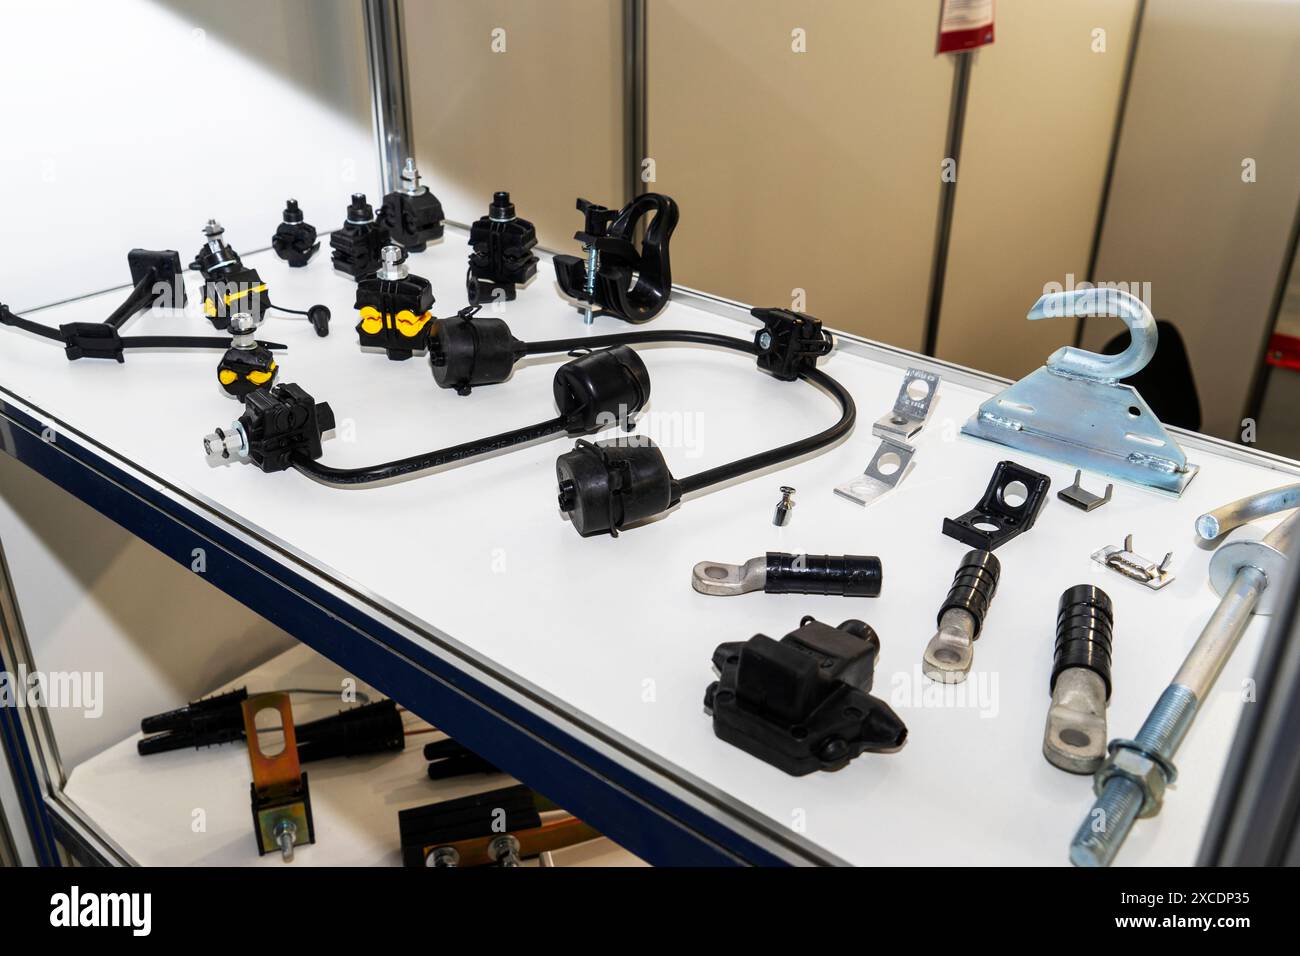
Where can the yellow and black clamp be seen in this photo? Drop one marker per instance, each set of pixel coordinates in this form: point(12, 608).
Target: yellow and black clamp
point(281, 799)
point(394, 307)
point(248, 364)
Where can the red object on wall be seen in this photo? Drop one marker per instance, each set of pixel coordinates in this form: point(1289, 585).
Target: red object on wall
point(964, 25)
point(1284, 351)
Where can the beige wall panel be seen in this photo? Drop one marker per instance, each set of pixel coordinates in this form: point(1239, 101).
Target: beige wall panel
point(1039, 125)
point(544, 119)
point(815, 170)
point(1215, 82)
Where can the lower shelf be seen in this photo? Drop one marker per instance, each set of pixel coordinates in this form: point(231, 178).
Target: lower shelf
point(190, 807)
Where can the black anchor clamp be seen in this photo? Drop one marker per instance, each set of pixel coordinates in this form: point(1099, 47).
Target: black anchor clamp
point(294, 240)
point(602, 279)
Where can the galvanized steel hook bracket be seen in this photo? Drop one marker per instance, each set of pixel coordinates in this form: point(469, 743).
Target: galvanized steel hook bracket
point(1076, 409)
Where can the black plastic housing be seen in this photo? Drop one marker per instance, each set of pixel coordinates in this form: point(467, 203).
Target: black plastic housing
point(282, 422)
point(390, 298)
point(245, 365)
point(294, 241)
point(413, 220)
point(1085, 624)
point(356, 244)
point(202, 723)
point(506, 810)
point(802, 703)
point(501, 251)
point(600, 389)
point(466, 351)
point(234, 290)
point(847, 575)
point(609, 484)
point(789, 342)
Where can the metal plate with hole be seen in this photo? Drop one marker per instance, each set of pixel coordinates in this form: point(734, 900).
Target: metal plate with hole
point(911, 408)
point(884, 471)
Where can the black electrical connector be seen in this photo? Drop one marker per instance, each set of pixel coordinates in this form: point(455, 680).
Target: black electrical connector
point(393, 307)
point(156, 283)
point(803, 703)
point(501, 252)
point(609, 484)
point(790, 343)
point(294, 240)
point(615, 277)
point(466, 351)
point(412, 214)
point(357, 244)
point(279, 424)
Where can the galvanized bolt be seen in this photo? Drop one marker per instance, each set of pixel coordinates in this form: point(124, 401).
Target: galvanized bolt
point(285, 833)
point(593, 264)
point(443, 856)
point(784, 507)
point(504, 850)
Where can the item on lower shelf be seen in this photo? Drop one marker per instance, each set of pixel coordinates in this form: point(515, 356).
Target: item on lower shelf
point(497, 828)
point(156, 283)
point(248, 364)
point(393, 307)
point(613, 276)
point(281, 798)
point(1082, 499)
point(948, 656)
point(501, 252)
point(1076, 408)
point(1248, 576)
point(357, 243)
point(412, 214)
point(230, 287)
point(294, 240)
point(849, 575)
point(213, 720)
point(1009, 507)
point(448, 759)
point(803, 703)
point(1075, 736)
point(1125, 561)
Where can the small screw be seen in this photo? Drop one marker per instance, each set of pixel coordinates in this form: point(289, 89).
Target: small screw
point(443, 856)
point(784, 506)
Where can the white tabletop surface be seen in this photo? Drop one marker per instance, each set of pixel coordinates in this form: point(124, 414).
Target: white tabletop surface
point(612, 627)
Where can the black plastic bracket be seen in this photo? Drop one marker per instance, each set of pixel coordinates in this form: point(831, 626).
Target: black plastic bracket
point(995, 521)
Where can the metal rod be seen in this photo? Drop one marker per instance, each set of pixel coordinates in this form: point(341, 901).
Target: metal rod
point(386, 52)
point(947, 198)
point(1220, 635)
point(635, 91)
point(1233, 515)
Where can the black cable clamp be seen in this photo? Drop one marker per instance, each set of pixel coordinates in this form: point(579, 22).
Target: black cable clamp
point(790, 342)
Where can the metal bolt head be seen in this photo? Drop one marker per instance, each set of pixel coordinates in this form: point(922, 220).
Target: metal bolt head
point(1127, 762)
point(443, 856)
point(392, 266)
point(504, 850)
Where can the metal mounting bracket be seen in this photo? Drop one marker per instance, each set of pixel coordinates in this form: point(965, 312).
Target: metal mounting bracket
point(1077, 410)
point(884, 471)
point(911, 408)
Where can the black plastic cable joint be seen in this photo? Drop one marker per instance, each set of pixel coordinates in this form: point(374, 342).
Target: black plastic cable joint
point(368, 729)
point(973, 586)
point(1085, 622)
point(849, 575)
